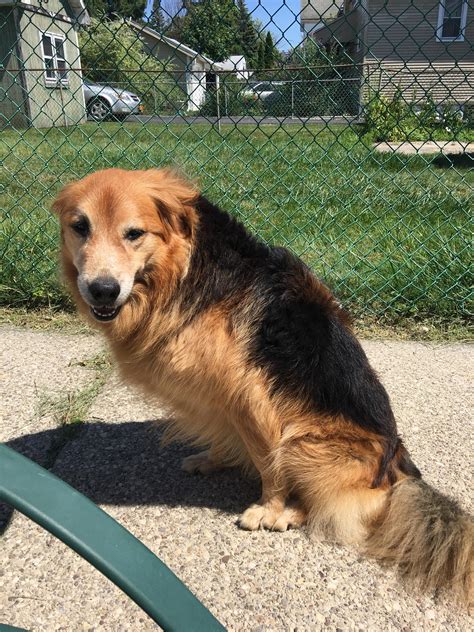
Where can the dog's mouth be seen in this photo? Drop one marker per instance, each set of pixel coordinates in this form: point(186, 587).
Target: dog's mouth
point(105, 313)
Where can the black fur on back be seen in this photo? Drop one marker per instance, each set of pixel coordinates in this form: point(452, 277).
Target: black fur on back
point(300, 338)
point(224, 262)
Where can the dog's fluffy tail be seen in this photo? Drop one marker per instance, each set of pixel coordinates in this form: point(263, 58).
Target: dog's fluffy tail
point(428, 537)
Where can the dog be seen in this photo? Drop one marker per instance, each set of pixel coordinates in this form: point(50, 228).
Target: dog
point(259, 361)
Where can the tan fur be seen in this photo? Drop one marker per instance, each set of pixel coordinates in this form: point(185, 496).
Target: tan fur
point(314, 468)
point(428, 537)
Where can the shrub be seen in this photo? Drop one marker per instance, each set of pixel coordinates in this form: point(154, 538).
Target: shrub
point(469, 115)
point(307, 98)
point(388, 120)
point(233, 100)
point(398, 120)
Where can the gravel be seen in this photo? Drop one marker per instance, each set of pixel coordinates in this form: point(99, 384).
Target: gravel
point(251, 581)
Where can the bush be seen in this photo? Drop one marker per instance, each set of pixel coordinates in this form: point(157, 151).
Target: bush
point(233, 100)
point(307, 98)
point(387, 119)
point(319, 81)
point(398, 120)
point(469, 116)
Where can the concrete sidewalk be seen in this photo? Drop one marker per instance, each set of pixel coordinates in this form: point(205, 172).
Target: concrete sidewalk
point(250, 581)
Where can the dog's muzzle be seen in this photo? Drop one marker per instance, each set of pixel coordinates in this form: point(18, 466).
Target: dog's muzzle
point(105, 313)
point(104, 292)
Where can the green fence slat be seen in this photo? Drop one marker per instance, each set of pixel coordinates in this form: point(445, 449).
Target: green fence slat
point(103, 542)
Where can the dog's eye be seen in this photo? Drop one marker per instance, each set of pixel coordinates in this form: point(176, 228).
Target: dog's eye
point(133, 234)
point(81, 227)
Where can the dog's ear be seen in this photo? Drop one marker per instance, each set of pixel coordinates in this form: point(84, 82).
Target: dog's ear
point(174, 200)
point(63, 199)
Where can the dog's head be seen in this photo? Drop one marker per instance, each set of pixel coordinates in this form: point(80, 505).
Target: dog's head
point(119, 230)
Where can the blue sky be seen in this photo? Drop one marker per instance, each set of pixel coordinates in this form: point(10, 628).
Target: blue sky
point(277, 16)
point(280, 17)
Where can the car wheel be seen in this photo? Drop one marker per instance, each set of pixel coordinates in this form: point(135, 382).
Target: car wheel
point(98, 109)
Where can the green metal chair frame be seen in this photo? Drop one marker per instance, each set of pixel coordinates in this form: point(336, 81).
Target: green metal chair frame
point(107, 545)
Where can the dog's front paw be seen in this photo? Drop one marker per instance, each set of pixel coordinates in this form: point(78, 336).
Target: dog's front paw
point(269, 517)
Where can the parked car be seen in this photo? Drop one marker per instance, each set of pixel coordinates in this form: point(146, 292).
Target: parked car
point(105, 102)
point(262, 90)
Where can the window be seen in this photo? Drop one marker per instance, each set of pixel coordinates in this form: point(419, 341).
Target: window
point(452, 16)
point(54, 59)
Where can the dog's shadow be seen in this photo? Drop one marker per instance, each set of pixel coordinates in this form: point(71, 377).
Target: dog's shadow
point(124, 464)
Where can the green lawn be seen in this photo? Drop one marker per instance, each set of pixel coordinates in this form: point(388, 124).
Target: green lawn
point(389, 234)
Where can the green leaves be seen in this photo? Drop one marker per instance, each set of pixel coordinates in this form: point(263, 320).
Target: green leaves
point(211, 28)
point(116, 8)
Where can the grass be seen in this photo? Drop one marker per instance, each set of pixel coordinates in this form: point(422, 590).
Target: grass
point(390, 234)
point(367, 327)
point(70, 409)
point(44, 319)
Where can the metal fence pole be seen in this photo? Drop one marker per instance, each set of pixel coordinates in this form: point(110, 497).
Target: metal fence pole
point(292, 99)
point(218, 90)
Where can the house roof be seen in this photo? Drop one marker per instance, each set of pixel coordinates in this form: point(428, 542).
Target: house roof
point(178, 46)
point(80, 11)
point(343, 28)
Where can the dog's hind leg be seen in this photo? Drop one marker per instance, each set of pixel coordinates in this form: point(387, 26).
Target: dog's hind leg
point(273, 511)
point(333, 477)
point(202, 463)
point(225, 450)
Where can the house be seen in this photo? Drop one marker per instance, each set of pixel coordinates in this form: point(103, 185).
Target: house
point(190, 70)
point(420, 48)
point(40, 77)
point(237, 65)
point(317, 12)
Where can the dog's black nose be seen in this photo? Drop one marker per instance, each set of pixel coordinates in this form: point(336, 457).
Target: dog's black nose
point(104, 290)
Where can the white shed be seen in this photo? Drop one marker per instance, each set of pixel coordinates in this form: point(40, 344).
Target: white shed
point(191, 70)
point(238, 65)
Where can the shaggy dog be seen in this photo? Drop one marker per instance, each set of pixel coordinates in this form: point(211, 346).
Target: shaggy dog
point(258, 359)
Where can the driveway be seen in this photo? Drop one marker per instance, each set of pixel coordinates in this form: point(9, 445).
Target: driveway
point(244, 120)
point(251, 581)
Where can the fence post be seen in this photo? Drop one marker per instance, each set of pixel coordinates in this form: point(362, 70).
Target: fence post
point(218, 89)
point(292, 99)
point(61, 94)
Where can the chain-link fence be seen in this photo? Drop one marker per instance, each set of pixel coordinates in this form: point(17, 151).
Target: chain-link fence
point(342, 130)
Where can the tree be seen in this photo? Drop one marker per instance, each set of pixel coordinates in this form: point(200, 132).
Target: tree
point(175, 12)
point(112, 8)
point(156, 20)
point(315, 61)
point(261, 55)
point(211, 28)
point(248, 35)
point(319, 81)
point(269, 51)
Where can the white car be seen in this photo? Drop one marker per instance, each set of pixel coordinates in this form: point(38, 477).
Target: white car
point(263, 90)
point(103, 102)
